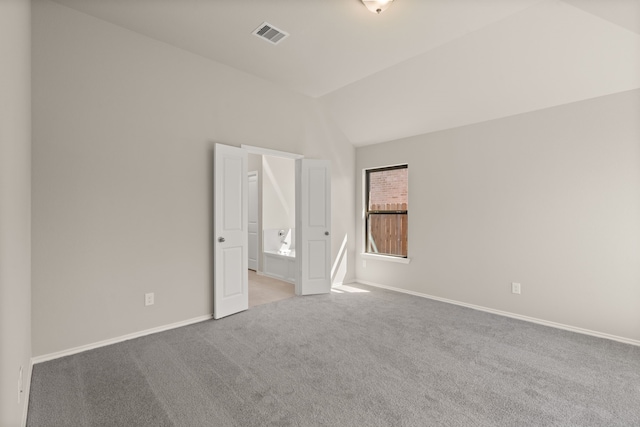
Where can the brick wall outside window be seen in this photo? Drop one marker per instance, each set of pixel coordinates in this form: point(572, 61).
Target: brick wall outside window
point(388, 187)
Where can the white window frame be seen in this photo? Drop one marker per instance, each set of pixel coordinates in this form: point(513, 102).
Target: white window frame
point(378, 257)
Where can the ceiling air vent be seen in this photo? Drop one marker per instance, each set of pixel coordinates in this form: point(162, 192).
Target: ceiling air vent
point(270, 33)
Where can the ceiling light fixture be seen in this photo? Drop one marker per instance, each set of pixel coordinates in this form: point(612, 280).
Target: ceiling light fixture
point(377, 6)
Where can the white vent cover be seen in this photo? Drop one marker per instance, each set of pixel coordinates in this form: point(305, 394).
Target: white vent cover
point(270, 33)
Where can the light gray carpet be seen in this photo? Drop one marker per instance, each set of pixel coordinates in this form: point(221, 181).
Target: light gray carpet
point(353, 359)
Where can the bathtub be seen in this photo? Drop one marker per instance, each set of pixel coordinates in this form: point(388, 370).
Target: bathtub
point(280, 266)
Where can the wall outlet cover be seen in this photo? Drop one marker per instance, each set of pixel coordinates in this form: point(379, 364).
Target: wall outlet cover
point(148, 299)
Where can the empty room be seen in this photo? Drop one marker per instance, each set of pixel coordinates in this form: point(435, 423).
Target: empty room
point(443, 196)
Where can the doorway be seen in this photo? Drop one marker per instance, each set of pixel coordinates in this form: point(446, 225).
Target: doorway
point(230, 226)
point(271, 227)
point(264, 289)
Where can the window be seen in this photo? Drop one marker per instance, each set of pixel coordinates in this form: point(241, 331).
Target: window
point(387, 210)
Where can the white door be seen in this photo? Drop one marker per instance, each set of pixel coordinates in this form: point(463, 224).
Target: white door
point(230, 287)
point(313, 226)
point(253, 221)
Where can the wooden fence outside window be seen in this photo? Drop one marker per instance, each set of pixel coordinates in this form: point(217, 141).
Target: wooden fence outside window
point(387, 229)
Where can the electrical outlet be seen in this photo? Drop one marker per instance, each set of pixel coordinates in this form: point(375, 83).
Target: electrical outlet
point(148, 299)
point(515, 288)
point(364, 263)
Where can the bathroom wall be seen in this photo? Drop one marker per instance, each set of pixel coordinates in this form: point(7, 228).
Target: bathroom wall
point(274, 238)
point(278, 193)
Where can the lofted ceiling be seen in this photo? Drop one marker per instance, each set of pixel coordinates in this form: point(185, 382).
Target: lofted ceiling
point(421, 66)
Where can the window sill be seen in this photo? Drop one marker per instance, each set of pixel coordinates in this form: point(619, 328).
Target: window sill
point(386, 258)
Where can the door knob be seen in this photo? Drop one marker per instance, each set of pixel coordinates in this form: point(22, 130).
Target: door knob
point(220, 239)
point(326, 233)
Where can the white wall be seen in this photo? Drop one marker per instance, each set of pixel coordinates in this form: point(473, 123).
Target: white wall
point(278, 193)
point(124, 128)
point(15, 206)
point(552, 53)
point(255, 165)
point(550, 199)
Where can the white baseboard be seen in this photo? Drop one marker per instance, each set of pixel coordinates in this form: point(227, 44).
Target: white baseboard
point(508, 314)
point(80, 349)
point(27, 392)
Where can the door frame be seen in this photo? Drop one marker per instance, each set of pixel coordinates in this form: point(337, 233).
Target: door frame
point(251, 149)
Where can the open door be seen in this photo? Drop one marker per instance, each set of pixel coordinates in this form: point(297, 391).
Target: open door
point(230, 286)
point(313, 226)
point(254, 213)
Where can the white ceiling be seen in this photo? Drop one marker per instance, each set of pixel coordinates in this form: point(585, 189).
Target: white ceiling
point(421, 66)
